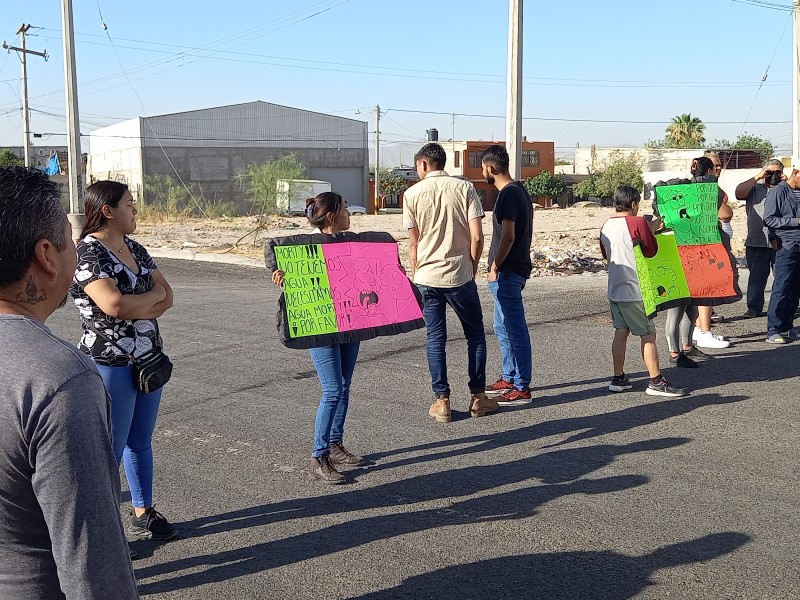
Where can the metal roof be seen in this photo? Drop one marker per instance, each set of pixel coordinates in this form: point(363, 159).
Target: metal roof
point(252, 124)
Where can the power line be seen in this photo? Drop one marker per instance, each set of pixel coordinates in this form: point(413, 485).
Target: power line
point(568, 120)
point(577, 82)
point(282, 21)
point(768, 5)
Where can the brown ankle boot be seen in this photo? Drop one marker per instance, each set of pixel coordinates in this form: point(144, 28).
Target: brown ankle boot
point(481, 405)
point(340, 456)
point(322, 469)
point(440, 410)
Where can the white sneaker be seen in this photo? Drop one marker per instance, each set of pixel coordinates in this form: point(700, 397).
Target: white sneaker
point(696, 332)
point(706, 339)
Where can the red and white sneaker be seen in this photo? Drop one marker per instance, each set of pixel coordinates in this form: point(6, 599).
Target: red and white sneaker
point(501, 386)
point(515, 397)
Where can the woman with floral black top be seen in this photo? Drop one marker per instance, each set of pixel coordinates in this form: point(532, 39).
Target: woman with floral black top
point(119, 292)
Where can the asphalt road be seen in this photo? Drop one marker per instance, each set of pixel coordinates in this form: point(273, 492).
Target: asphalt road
point(581, 495)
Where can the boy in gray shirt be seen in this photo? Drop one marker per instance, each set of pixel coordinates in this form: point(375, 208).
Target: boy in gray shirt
point(61, 535)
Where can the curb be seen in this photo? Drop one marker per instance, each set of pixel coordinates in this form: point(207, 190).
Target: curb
point(188, 254)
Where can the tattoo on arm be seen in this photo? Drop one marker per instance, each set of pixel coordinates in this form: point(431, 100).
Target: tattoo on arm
point(31, 295)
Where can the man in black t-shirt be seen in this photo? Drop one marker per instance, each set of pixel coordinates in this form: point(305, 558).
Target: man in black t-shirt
point(509, 269)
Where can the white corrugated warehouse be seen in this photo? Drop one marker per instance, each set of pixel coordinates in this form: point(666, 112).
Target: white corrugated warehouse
point(209, 147)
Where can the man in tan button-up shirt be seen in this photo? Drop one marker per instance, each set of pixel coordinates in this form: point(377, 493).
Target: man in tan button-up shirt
point(445, 241)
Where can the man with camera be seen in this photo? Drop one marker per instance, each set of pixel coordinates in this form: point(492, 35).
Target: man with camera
point(759, 250)
point(782, 216)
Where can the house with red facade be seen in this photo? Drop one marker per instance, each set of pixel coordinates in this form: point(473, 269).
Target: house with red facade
point(464, 160)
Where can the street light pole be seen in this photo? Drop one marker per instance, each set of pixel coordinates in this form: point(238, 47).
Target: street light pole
point(796, 83)
point(76, 183)
point(377, 157)
point(514, 96)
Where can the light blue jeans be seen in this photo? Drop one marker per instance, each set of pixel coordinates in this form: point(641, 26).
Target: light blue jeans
point(335, 365)
point(133, 419)
point(511, 328)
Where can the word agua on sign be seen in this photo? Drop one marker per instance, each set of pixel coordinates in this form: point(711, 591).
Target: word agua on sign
point(307, 293)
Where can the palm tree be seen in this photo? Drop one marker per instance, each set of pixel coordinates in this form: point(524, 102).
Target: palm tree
point(685, 131)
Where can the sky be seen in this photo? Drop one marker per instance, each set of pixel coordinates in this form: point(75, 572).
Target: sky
point(610, 73)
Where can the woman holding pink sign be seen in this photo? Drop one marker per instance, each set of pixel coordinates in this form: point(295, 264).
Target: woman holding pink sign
point(334, 364)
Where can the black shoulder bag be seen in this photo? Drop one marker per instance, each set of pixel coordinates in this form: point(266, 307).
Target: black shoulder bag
point(151, 371)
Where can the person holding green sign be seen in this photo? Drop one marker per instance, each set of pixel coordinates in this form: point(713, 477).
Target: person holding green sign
point(620, 234)
point(334, 364)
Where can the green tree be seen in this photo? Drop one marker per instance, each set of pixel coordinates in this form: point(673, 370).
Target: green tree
point(546, 185)
point(9, 159)
point(619, 169)
point(747, 141)
point(562, 162)
point(685, 131)
point(392, 183)
point(585, 188)
point(260, 182)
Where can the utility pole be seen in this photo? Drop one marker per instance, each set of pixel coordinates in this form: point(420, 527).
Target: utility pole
point(377, 157)
point(76, 183)
point(796, 84)
point(514, 95)
point(26, 115)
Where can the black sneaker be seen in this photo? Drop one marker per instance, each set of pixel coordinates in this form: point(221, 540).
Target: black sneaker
point(752, 314)
point(620, 384)
point(152, 525)
point(696, 354)
point(663, 388)
point(682, 361)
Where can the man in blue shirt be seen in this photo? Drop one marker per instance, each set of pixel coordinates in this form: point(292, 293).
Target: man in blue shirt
point(781, 212)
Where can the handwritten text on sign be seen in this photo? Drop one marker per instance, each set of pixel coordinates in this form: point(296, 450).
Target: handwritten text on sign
point(346, 286)
point(307, 292)
point(690, 210)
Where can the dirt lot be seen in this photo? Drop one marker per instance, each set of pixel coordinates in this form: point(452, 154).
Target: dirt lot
point(565, 240)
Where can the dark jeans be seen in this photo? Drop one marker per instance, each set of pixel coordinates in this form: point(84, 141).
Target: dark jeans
point(467, 306)
point(785, 294)
point(759, 263)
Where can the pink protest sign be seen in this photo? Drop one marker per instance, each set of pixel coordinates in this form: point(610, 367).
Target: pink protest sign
point(342, 288)
point(368, 286)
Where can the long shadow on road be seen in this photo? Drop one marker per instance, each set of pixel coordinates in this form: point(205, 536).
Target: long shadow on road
point(560, 575)
point(587, 427)
point(225, 565)
point(545, 476)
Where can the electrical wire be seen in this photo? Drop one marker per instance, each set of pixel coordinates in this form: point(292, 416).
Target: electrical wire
point(568, 120)
point(769, 5)
point(547, 81)
point(146, 119)
point(763, 79)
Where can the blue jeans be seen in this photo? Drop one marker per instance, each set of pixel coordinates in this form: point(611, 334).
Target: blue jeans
point(467, 306)
point(335, 365)
point(133, 419)
point(511, 328)
point(759, 263)
point(785, 295)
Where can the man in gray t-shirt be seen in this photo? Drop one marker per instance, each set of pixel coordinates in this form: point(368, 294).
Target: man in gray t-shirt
point(758, 248)
point(61, 536)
